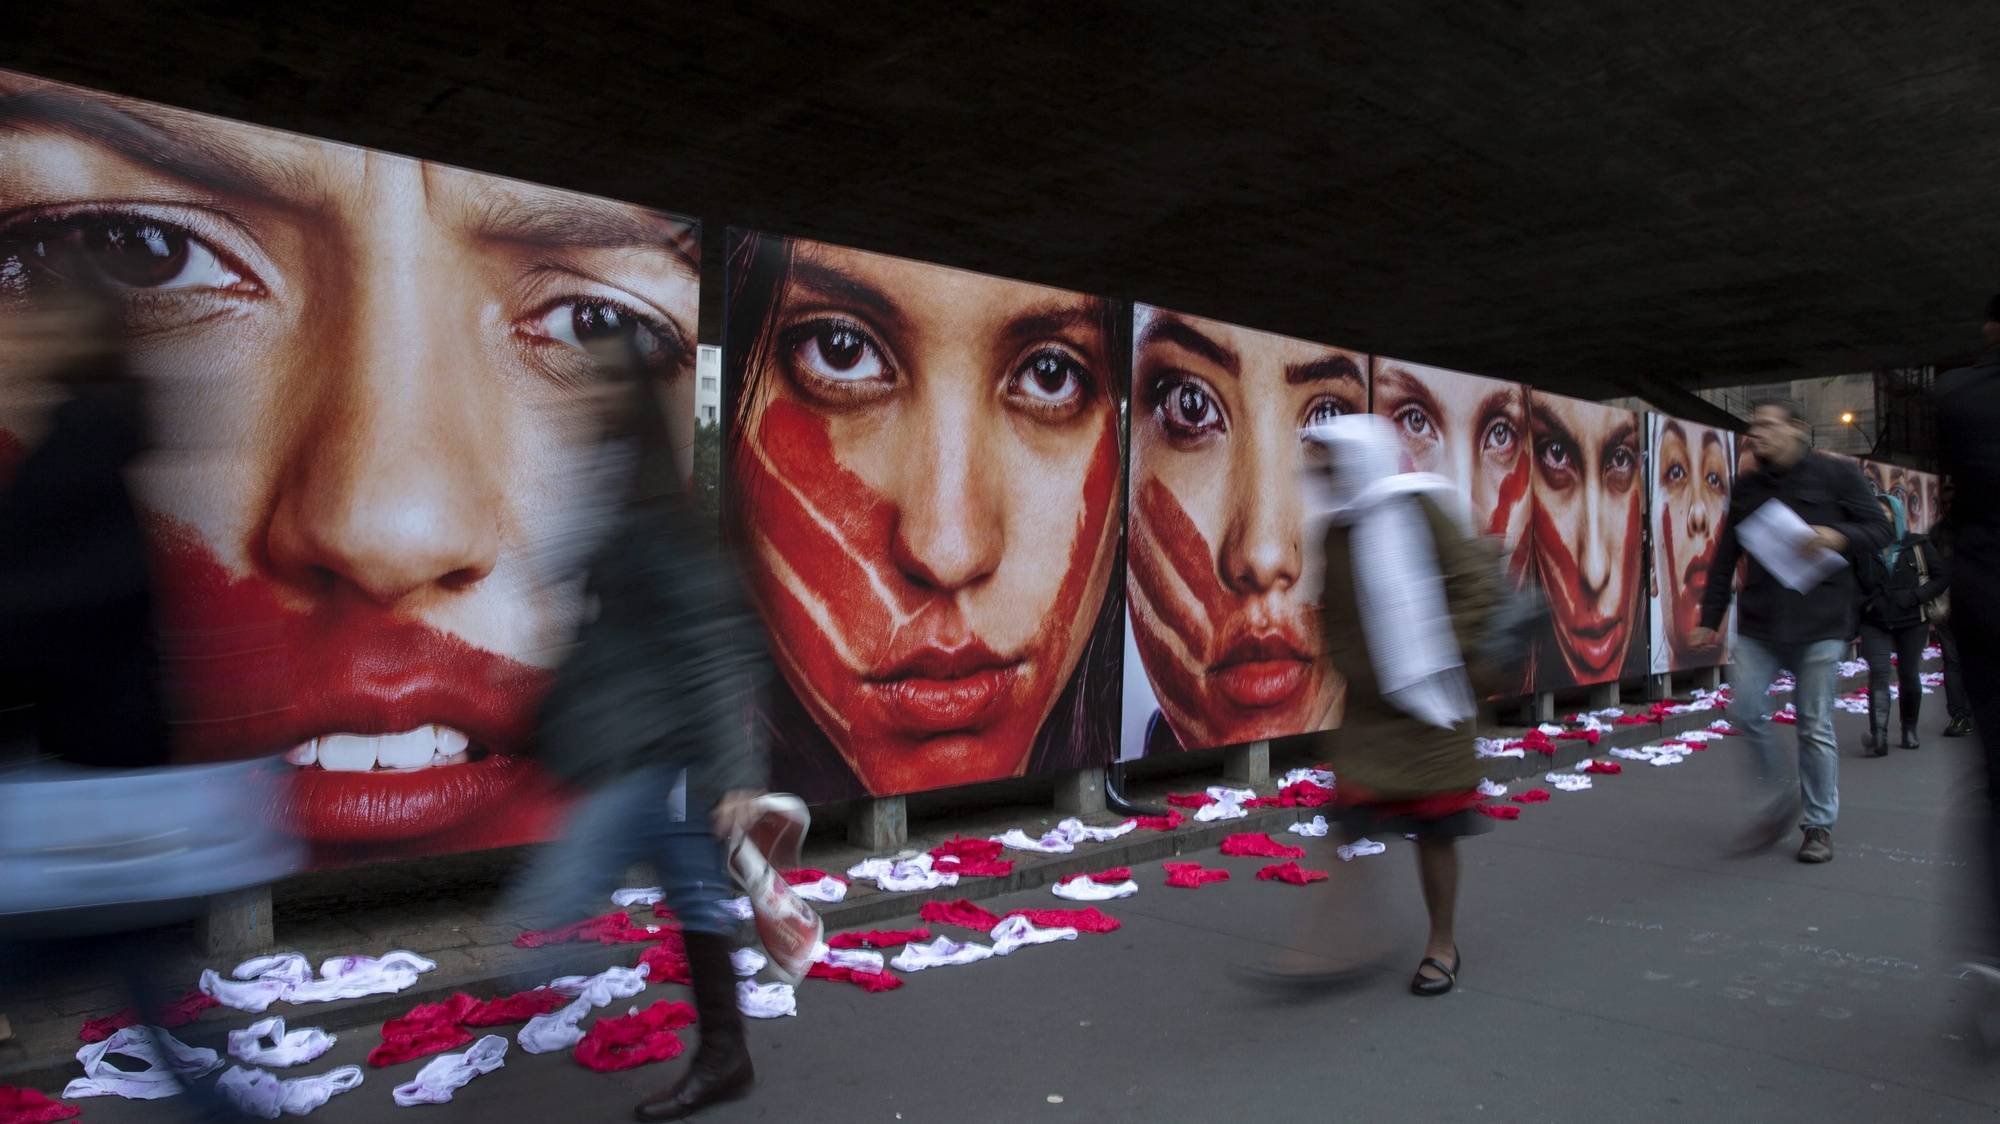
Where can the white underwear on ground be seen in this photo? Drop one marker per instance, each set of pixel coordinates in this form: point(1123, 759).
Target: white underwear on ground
point(1315, 827)
point(264, 980)
point(560, 1029)
point(637, 895)
point(1220, 810)
point(162, 1077)
point(901, 875)
point(942, 952)
point(1568, 782)
point(747, 961)
point(1360, 848)
point(267, 1042)
point(828, 889)
point(858, 959)
point(1075, 831)
point(1488, 788)
point(1051, 844)
point(1082, 889)
point(739, 908)
point(448, 1073)
point(259, 1093)
point(766, 1001)
point(1018, 932)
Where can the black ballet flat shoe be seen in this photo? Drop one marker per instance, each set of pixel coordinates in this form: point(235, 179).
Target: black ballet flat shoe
point(1427, 986)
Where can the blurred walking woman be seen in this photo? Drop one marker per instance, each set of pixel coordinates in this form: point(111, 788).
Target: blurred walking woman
point(1406, 587)
point(1897, 584)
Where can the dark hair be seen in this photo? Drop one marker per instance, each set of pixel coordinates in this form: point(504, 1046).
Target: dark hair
point(1794, 413)
point(1082, 727)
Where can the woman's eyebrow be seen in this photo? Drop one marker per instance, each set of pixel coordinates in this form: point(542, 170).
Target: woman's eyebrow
point(182, 145)
point(546, 217)
point(1171, 329)
point(1325, 368)
point(834, 283)
point(1054, 318)
point(1409, 386)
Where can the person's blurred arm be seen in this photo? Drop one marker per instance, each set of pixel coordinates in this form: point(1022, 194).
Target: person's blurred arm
point(1721, 586)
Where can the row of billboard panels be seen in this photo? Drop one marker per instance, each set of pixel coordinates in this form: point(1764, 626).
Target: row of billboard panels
point(994, 528)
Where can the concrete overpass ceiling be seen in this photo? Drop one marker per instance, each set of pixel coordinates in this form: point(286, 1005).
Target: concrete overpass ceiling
point(1572, 192)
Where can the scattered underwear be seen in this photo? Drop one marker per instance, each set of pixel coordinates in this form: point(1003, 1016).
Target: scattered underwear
point(1086, 888)
point(1568, 782)
point(1498, 747)
point(267, 1042)
point(431, 1027)
point(1323, 777)
point(1190, 800)
point(1604, 768)
point(739, 908)
point(766, 1001)
point(1053, 843)
point(817, 885)
point(1259, 845)
point(179, 1013)
point(1168, 822)
point(1498, 811)
point(635, 1039)
point(878, 938)
point(666, 964)
point(1018, 932)
point(1089, 920)
point(866, 981)
point(854, 959)
point(902, 876)
point(1532, 796)
point(976, 868)
point(747, 961)
point(1315, 828)
point(445, 1075)
point(1489, 789)
point(162, 1077)
point(961, 913)
point(264, 980)
point(1298, 794)
point(29, 1106)
point(940, 953)
point(1190, 876)
point(1359, 849)
point(966, 850)
point(258, 1093)
point(1228, 804)
point(560, 1029)
point(637, 895)
point(1291, 872)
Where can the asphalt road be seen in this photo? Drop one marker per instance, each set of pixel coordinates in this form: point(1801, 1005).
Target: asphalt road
point(1616, 966)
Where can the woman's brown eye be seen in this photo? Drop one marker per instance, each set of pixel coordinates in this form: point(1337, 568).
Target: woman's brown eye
point(1051, 379)
point(126, 252)
point(836, 351)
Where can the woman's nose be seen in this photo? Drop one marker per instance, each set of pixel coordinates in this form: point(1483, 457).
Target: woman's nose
point(1260, 548)
point(950, 512)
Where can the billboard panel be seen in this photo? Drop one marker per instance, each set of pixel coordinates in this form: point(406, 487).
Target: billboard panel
point(366, 378)
point(1222, 622)
point(923, 478)
point(1588, 535)
point(1693, 468)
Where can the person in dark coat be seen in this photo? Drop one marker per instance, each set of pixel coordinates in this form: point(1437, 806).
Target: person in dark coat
point(1896, 583)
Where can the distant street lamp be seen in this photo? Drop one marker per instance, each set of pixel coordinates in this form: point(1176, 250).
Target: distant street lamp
point(1847, 418)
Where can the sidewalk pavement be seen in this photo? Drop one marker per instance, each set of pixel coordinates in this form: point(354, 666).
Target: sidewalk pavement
point(445, 908)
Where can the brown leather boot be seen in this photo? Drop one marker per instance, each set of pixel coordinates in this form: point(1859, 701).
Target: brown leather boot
point(721, 1068)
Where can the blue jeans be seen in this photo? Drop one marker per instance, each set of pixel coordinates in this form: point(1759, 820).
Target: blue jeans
point(1814, 664)
point(636, 818)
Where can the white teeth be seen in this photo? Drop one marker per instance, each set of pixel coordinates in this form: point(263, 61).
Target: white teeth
point(424, 747)
point(347, 753)
point(409, 750)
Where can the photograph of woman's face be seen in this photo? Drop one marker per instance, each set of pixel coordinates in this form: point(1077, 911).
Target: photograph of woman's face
point(1587, 535)
point(1220, 612)
point(367, 374)
point(1473, 432)
point(1693, 470)
point(925, 472)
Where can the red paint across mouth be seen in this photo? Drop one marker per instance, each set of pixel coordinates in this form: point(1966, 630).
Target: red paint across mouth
point(252, 676)
point(1263, 671)
point(935, 689)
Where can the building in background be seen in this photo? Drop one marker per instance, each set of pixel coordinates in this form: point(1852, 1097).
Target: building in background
point(1841, 408)
point(707, 384)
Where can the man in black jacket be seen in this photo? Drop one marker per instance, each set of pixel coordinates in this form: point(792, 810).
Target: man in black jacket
point(1968, 414)
point(1781, 628)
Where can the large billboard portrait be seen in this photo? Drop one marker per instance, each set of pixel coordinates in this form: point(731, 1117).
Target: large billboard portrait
point(1916, 490)
point(1473, 431)
point(366, 374)
point(1693, 470)
point(1588, 541)
point(1222, 619)
point(924, 468)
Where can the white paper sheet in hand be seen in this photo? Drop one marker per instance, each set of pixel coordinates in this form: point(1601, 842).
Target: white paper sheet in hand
point(1784, 545)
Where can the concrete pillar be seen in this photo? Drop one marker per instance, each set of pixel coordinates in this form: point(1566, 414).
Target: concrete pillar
point(237, 923)
point(1247, 764)
point(1542, 708)
point(1080, 792)
point(1708, 678)
point(878, 824)
point(1659, 688)
point(1604, 695)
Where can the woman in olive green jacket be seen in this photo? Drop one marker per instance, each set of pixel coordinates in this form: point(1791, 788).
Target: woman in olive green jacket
point(1405, 588)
